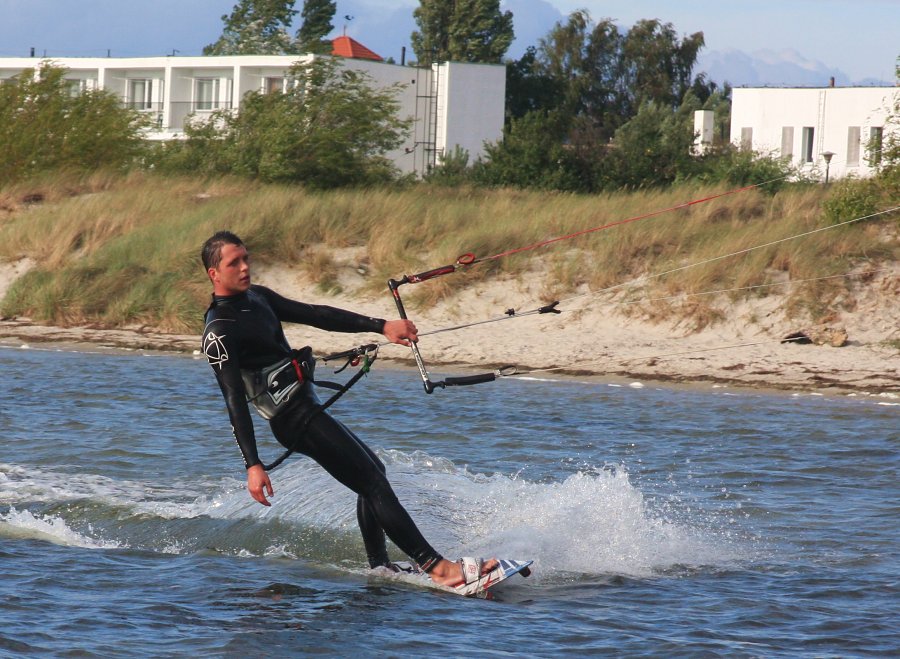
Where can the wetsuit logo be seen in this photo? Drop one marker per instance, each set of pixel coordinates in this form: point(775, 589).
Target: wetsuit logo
point(215, 350)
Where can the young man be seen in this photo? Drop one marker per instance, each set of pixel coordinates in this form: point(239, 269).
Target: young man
point(246, 347)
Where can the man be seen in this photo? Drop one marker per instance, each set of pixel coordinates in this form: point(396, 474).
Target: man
point(246, 347)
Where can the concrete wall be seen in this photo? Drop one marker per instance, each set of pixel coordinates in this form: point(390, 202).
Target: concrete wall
point(468, 121)
point(805, 123)
point(450, 104)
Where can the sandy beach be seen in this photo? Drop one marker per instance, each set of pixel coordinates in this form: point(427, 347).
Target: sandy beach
point(592, 337)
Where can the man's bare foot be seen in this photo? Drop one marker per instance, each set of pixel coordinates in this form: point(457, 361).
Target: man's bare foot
point(449, 573)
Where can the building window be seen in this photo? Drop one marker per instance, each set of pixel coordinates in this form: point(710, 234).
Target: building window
point(273, 85)
point(140, 92)
point(207, 93)
point(853, 139)
point(747, 139)
point(76, 87)
point(787, 141)
point(876, 142)
point(807, 145)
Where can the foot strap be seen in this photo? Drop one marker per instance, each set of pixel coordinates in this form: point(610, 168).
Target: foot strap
point(471, 569)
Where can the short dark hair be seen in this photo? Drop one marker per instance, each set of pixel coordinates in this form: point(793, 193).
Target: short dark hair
point(212, 248)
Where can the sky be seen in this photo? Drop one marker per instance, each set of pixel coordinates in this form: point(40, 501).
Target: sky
point(764, 41)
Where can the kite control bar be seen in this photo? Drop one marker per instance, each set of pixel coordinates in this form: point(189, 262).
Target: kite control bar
point(430, 386)
point(462, 261)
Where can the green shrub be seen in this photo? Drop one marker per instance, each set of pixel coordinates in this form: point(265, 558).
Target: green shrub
point(45, 127)
point(452, 169)
point(851, 198)
point(652, 149)
point(740, 167)
point(530, 155)
point(332, 128)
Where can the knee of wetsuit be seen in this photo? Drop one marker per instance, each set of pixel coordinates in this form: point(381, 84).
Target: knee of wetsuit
point(381, 489)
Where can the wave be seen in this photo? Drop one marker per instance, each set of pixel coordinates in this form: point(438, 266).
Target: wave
point(26, 525)
point(594, 522)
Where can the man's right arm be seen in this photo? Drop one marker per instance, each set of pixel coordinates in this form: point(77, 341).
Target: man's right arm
point(221, 350)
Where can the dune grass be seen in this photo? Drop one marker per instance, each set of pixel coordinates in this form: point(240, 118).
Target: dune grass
point(115, 251)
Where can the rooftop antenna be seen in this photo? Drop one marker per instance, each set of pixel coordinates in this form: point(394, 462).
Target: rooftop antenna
point(348, 18)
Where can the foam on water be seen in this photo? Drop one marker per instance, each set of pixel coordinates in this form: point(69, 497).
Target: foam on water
point(24, 524)
point(531, 378)
point(595, 522)
point(20, 485)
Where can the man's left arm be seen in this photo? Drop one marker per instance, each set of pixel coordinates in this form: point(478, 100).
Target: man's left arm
point(333, 319)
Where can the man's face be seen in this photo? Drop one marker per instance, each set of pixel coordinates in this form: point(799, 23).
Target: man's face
point(232, 275)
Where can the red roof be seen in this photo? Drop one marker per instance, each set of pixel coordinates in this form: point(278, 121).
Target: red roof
point(347, 47)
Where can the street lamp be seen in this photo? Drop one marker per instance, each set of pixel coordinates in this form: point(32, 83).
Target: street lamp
point(828, 155)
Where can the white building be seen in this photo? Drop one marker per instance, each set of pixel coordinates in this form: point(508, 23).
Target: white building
point(452, 104)
point(803, 124)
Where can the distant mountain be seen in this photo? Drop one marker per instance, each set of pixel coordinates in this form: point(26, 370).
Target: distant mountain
point(770, 68)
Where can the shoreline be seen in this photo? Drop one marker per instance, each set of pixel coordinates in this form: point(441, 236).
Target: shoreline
point(676, 371)
point(594, 336)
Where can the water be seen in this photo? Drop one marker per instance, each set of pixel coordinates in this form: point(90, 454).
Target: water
point(704, 522)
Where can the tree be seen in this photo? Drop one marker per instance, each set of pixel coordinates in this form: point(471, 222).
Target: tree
point(331, 128)
point(585, 60)
point(44, 126)
point(256, 27)
point(312, 35)
point(607, 76)
point(597, 80)
point(461, 31)
point(890, 147)
point(651, 149)
point(656, 66)
point(528, 88)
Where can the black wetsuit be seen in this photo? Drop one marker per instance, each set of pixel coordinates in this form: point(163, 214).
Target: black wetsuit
point(244, 332)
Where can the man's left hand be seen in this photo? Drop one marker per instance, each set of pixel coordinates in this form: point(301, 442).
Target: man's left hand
point(258, 484)
point(401, 331)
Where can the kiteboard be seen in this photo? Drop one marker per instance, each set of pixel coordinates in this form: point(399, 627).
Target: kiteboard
point(476, 586)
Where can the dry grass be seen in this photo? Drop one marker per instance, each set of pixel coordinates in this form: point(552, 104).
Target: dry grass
point(115, 251)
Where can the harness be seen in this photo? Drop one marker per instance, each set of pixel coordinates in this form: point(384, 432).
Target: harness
point(269, 389)
point(366, 354)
